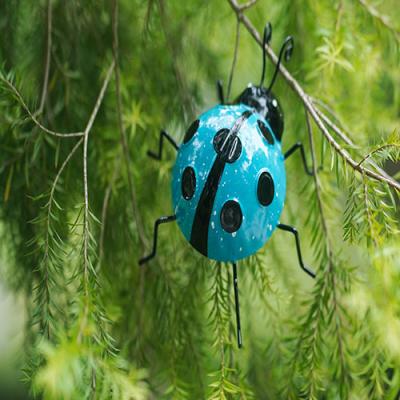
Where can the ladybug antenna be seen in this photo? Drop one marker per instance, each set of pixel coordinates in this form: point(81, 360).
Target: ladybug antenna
point(266, 39)
point(285, 51)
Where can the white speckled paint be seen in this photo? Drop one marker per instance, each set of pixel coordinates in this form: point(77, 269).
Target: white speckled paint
point(239, 182)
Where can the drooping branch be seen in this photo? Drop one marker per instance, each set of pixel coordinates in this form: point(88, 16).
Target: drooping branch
point(31, 115)
point(86, 233)
point(247, 5)
point(85, 175)
point(378, 149)
point(345, 137)
point(308, 103)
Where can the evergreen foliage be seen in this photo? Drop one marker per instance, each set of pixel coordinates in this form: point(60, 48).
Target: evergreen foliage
point(85, 88)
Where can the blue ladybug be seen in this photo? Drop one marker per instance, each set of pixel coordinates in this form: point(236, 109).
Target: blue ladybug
point(229, 178)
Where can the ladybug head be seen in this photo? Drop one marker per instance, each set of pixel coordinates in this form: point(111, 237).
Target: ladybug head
point(261, 98)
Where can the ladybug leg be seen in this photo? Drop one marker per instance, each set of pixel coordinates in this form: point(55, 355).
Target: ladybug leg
point(299, 146)
point(293, 230)
point(236, 289)
point(158, 156)
point(159, 221)
point(220, 92)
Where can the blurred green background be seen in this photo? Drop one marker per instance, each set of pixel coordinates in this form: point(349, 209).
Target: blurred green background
point(79, 319)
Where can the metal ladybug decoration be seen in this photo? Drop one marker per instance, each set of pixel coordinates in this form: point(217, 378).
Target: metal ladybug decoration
point(229, 178)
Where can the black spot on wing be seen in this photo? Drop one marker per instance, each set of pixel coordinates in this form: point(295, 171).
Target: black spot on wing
point(265, 189)
point(188, 184)
point(265, 132)
point(191, 131)
point(231, 216)
point(228, 146)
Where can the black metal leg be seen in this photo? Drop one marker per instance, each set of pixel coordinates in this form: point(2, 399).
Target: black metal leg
point(220, 92)
point(161, 220)
point(293, 230)
point(236, 289)
point(296, 146)
point(163, 135)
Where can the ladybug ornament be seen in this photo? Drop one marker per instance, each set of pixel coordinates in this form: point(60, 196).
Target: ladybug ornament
point(229, 178)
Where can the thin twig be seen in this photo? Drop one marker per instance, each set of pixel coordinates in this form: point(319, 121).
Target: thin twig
point(86, 199)
point(344, 135)
point(247, 5)
point(19, 97)
point(341, 132)
point(306, 99)
point(122, 131)
point(48, 57)
point(348, 141)
point(234, 60)
point(380, 148)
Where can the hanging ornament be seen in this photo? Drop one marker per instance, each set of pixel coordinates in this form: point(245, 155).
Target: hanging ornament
point(229, 178)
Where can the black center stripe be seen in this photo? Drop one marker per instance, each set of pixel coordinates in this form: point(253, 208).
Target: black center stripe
point(201, 221)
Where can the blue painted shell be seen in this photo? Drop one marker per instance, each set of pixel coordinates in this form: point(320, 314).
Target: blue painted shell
point(258, 156)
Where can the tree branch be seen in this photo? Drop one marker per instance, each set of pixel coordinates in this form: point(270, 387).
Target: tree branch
point(344, 136)
point(380, 148)
point(307, 101)
point(86, 234)
point(247, 5)
point(20, 99)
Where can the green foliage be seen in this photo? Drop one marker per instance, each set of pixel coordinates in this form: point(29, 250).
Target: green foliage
point(84, 89)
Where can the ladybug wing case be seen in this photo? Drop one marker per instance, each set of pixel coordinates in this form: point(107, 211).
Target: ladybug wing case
point(227, 208)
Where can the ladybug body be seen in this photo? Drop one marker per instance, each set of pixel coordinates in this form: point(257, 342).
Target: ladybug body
point(227, 206)
point(229, 178)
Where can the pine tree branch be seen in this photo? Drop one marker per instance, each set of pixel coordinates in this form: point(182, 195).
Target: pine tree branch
point(345, 136)
point(86, 234)
point(340, 132)
point(121, 127)
point(378, 149)
point(31, 115)
point(307, 101)
point(247, 5)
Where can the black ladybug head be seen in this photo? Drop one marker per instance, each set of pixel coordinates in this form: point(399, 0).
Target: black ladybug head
point(261, 98)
